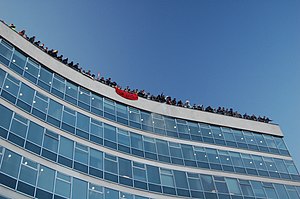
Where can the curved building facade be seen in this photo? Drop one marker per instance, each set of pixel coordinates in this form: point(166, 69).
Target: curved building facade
point(64, 135)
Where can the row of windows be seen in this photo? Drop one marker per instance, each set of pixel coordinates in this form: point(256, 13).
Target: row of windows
point(132, 117)
point(88, 160)
point(135, 144)
point(38, 180)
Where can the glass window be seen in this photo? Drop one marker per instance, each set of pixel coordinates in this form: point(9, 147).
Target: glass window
point(81, 154)
point(19, 125)
point(281, 191)
point(146, 118)
point(110, 133)
point(79, 189)
point(66, 147)
point(35, 133)
point(84, 96)
point(111, 194)
point(291, 167)
point(40, 102)
point(153, 174)
point(46, 178)
point(246, 188)
point(51, 141)
point(110, 164)
point(11, 85)
point(236, 159)
point(55, 109)
point(29, 170)
point(58, 83)
point(5, 49)
point(125, 168)
point(208, 183)
point(97, 129)
point(271, 193)
point(95, 191)
point(194, 128)
point(122, 111)
point(134, 115)
point(233, 186)
point(96, 159)
point(63, 185)
point(6, 116)
point(19, 59)
point(109, 106)
point(166, 176)
point(162, 147)
point(97, 102)
point(181, 128)
point(45, 75)
point(2, 77)
point(188, 152)
point(175, 150)
point(32, 68)
point(136, 141)
point(139, 171)
point(69, 116)
point(123, 137)
point(170, 124)
point(26, 94)
point(194, 182)
point(149, 144)
point(280, 143)
point(83, 122)
point(11, 163)
point(180, 179)
point(71, 90)
point(258, 189)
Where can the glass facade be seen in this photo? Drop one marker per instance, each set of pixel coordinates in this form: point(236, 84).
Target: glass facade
point(82, 141)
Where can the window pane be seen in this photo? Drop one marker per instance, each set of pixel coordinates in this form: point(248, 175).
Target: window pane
point(46, 178)
point(26, 94)
point(66, 147)
point(96, 158)
point(83, 122)
point(233, 186)
point(55, 109)
point(6, 116)
point(79, 190)
point(35, 133)
point(11, 163)
point(28, 171)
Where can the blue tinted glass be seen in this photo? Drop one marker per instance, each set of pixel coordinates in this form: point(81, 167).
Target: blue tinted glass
point(125, 168)
point(110, 133)
point(83, 122)
point(35, 133)
point(79, 190)
point(111, 194)
point(96, 158)
point(66, 147)
point(55, 109)
point(2, 76)
point(32, 67)
point(26, 94)
point(46, 178)
point(29, 171)
point(6, 116)
point(11, 163)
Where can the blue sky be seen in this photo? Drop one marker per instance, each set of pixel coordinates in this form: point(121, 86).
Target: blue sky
point(232, 53)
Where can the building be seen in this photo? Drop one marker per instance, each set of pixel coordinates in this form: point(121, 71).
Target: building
point(65, 135)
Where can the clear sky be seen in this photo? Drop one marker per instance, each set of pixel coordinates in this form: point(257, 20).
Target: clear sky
point(233, 53)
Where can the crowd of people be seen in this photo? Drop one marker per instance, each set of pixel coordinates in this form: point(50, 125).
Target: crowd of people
point(141, 93)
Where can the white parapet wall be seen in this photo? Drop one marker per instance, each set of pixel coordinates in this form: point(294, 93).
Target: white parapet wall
point(141, 103)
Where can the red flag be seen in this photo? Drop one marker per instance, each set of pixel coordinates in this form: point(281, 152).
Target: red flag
point(127, 95)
